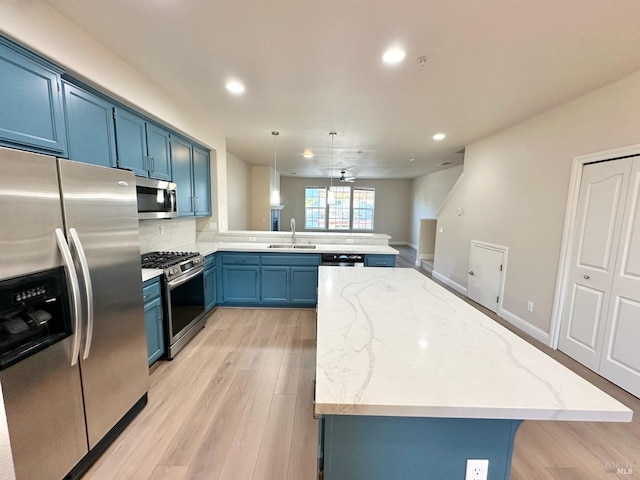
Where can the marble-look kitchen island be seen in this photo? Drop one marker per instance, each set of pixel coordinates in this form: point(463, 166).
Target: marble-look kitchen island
point(411, 381)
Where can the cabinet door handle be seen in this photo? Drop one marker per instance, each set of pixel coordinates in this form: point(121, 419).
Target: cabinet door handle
point(196, 209)
point(153, 164)
point(144, 297)
point(586, 277)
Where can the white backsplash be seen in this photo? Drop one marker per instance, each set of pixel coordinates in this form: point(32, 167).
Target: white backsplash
point(323, 238)
point(160, 235)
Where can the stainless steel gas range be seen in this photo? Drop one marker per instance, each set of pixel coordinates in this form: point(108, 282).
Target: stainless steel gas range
point(183, 295)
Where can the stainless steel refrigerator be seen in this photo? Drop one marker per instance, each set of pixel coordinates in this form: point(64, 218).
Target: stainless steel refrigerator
point(69, 248)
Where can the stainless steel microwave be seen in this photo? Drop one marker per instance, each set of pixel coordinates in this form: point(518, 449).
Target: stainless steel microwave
point(156, 199)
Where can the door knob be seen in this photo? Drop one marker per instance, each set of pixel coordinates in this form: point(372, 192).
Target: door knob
point(586, 277)
point(471, 272)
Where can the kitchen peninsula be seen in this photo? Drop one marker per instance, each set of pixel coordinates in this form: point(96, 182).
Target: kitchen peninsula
point(412, 381)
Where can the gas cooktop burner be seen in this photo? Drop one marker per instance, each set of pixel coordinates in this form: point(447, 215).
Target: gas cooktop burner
point(165, 259)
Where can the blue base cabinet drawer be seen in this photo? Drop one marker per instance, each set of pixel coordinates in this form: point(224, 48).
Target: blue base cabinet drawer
point(380, 261)
point(152, 297)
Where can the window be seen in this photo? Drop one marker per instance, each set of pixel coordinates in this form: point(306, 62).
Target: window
point(352, 209)
point(315, 208)
point(363, 202)
point(340, 211)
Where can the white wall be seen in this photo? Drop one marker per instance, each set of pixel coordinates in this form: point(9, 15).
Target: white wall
point(392, 210)
point(42, 29)
point(261, 182)
point(429, 191)
point(514, 193)
point(238, 193)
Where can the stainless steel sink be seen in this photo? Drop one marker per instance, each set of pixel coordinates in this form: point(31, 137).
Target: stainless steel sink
point(306, 246)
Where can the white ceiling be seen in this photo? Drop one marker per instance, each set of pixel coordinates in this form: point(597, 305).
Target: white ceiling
point(311, 67)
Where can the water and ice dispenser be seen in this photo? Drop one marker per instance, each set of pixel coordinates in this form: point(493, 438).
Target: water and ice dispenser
point(34, 313)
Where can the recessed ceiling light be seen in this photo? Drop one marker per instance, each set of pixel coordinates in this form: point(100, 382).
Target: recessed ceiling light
point(235, 87)
point(412, 159)
point(439, 136)
point(393, 56)
point(307, 154)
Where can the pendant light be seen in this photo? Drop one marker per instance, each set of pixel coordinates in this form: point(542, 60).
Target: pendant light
point(275, 193)
point(331, 196)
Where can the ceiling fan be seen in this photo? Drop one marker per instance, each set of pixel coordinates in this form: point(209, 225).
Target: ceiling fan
point(346, 179)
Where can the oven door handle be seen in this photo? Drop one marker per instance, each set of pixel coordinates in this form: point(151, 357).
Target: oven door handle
point(72, 278)
point(179, 281)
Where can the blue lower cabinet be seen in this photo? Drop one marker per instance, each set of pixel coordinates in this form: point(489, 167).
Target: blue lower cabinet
point(153, 319)
point(269, 279)
point(380, 261)
point(241, 284)
point(290, 279)
point(210, 287)
point(304, 285)
point(380, 448)
point(275, 284)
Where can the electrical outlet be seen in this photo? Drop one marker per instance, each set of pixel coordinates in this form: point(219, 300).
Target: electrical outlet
point(529, 306)
point(213, 225)
point(161, 229)
point(477, 469)
point(349, 240)
point(252, 239)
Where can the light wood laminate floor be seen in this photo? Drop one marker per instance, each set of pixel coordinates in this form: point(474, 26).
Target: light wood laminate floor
point(236, 404)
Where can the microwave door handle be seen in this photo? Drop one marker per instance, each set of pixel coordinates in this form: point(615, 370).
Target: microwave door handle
point(72, 278)
point(88, 290)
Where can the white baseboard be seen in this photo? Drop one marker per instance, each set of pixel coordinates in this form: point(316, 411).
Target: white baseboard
point(401, 243)
point(426, 256)
point(513, 319)
point(525, 326)
point(413, 245)
point(447, 281)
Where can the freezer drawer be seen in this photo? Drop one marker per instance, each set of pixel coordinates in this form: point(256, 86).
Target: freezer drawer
point(43, 402)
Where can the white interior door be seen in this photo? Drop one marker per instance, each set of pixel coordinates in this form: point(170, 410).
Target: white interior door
point(620, 361)
point(485, 275)
point(593, 257)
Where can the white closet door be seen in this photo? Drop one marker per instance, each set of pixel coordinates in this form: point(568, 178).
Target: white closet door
point(621, 357)
point(485, 273)
point(593, 257)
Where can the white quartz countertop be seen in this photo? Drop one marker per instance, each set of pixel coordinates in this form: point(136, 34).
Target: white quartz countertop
point(392, 342)
point(206, 248)
point(149, 273)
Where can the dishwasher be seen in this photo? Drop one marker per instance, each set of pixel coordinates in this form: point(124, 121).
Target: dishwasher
point(343, 259)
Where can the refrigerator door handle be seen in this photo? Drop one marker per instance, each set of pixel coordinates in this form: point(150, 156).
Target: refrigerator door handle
point(72, 278)
point(88, 290)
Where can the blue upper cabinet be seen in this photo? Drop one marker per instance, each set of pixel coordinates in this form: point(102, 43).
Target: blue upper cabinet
point(181, 166)
point(132, 142)
point(191, 174)
point(90, 133)
point(158, 152)
point(31, 113)
point(202, 181)
point(143, 147)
